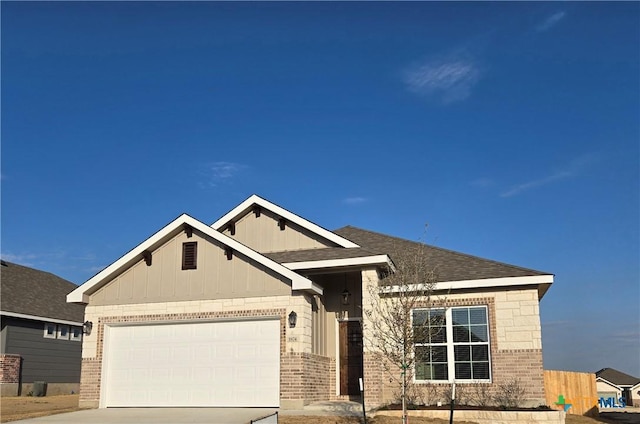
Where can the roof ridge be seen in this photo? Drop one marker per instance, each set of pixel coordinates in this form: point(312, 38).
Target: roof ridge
point(443, 249)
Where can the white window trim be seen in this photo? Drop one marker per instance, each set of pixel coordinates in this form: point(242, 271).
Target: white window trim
point(59, 332)
point(46, 334)
point(74, 338)
point(451, 363)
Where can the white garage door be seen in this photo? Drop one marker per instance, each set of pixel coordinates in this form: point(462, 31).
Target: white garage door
point(234, 363)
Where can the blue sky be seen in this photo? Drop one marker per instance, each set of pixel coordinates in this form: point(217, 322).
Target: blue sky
point(512, 129)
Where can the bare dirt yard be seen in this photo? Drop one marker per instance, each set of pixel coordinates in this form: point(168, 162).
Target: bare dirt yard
point(20, 408)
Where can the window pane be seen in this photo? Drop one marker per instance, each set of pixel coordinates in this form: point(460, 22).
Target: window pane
point(51, 329)
point(463, 370)
point(480, 353)
point(460, 334)
point(419, 317)
point(440, 372)
point(462, 353)
point(422, 371)
point(479, 333)
point(420, 333)
point(438, 335)
point(439, 354)
point(422, 354)
point(460, 316)
point(477, 316)
point(437, 315)
point(481, 370)
point(437, 318)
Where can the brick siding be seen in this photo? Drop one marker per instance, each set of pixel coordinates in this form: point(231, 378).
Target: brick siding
point(10, 368)
point(305, 377)
point(507, 365)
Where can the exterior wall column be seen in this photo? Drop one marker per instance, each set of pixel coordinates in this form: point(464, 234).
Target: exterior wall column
point(372, 368)
point(10, 374)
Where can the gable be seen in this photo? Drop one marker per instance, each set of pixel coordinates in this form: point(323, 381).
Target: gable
point(188, 225)
point(265, 232)
point(215, 276)
point(306, 234)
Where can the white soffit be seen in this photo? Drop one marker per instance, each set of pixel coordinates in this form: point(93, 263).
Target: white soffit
point(245, 207)
point(79, 295)
point(487, 283)
point(338, 263)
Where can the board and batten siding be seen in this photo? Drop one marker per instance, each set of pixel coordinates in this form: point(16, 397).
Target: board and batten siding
point(263, 234)
point(215, 277)
point(43, 359)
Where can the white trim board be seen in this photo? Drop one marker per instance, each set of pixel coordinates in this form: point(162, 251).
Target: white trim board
point(337, 263)
point(482, 283)
point(38, 318)
point(254, 199)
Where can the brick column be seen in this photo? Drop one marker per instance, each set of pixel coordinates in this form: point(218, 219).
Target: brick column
point(9, 368)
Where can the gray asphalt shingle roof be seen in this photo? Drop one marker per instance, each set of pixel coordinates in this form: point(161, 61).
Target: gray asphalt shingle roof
point(321, 254)
point(29, 291)
point(448, 265)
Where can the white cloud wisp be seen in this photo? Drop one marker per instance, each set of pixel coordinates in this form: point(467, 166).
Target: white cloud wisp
point(573, 169)
point(550, 22)
point(452, 79)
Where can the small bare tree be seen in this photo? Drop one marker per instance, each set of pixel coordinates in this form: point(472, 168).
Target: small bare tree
point(400, 317)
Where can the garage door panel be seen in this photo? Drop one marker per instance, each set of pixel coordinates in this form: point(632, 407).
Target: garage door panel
point(193, 364)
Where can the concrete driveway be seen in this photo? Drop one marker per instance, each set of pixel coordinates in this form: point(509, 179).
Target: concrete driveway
point(155, 416)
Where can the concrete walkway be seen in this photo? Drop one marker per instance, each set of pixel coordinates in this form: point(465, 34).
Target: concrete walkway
point(343, 408)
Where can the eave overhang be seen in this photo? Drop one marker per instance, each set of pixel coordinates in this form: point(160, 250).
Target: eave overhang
point(542, 282)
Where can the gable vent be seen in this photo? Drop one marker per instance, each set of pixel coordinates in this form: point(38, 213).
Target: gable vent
point(189, 255)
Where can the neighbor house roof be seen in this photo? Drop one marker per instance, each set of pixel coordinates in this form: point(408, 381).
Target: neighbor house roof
point(617, 377)
point(33, 294)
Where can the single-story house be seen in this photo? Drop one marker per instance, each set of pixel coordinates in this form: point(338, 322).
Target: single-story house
point(265, 308)
point(41, 333)
point(616, 385)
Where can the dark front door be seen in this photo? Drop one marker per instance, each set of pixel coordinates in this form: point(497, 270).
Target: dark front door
point(350, 357)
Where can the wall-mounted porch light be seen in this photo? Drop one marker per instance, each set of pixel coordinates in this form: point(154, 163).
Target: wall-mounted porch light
point(86, 327)
point(346, 297)
point(293, 319)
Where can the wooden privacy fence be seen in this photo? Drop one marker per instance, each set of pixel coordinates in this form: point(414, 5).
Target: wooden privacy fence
point(577, 389)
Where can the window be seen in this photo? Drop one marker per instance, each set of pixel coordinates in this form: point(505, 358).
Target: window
point(189, 255)
point(63, 332)
point(76, 334)
point(49, 330)
point(452, 344)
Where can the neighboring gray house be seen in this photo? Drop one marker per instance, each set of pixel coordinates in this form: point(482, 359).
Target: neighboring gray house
point(615, 384)
point(41, 338)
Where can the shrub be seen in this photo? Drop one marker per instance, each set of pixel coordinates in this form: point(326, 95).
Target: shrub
point(510, 395)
